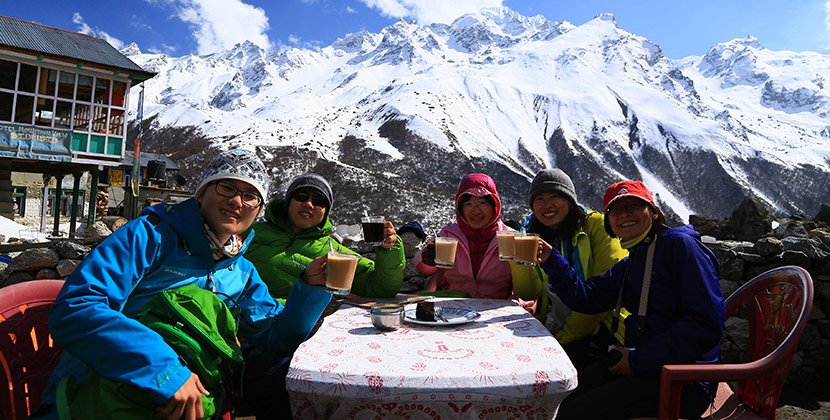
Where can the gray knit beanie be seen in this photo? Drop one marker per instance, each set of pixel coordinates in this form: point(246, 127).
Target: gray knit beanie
point(314, 182)
point(552, 180)
point(238, 164)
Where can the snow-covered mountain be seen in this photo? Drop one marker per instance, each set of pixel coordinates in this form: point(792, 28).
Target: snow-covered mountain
point(395, 118)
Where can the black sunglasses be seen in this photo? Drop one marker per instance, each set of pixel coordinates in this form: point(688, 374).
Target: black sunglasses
point(316, 199)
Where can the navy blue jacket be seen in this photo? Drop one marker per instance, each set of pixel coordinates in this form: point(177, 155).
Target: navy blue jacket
point(684, 318)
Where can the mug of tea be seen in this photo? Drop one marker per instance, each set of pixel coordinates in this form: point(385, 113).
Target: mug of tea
point(445, 251)
point(507, 244)
point(373, 229)
point(340, 270)
point(527, 248)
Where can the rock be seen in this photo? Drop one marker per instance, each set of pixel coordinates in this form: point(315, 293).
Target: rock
point(66, 267)
point(34, 259)
point(728, 287)
point(47, 273)
point(822, 234)
point(823, 214)
point(811, 340)
point(71, 250)
point(823, 328)
point(750, 220)
point(768, 246)
point(96, 233)
point(410, 244)
point(796, 258)
point(19, 277)
point(732, 269)
point(706, 226)
point(750, 258)
point(114, 222)
point(812, 247)
point(790, 228)
point(817, 313)
point(821, 285)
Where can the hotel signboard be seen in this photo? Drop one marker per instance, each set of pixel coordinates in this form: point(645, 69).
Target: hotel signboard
point(28, 142)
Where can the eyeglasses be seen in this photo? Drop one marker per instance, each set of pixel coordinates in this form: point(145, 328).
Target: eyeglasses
point(316, 199)
point(249, 198)
point(631, 208)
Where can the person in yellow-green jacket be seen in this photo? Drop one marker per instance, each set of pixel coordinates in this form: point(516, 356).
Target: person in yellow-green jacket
point(297, 229)
point(580, 236)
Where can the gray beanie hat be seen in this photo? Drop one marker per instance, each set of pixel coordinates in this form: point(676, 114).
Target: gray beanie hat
point(552, 180)
point(239, 164)
point(313, 182)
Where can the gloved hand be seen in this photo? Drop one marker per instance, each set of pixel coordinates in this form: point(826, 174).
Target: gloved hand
point(428, 254)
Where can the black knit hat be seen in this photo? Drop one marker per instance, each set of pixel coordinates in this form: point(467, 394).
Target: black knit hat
point(313, 182)
point(552, 180)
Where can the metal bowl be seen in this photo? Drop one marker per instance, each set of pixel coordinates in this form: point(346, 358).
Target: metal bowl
point(386, 317)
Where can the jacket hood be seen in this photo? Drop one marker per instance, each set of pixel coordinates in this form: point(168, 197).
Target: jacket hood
point(478, 185)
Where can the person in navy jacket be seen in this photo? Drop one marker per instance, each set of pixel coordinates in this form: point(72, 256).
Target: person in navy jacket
point(683, 320)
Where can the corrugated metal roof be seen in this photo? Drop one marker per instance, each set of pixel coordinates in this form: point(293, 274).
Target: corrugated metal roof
point(48, 40)
point(147, 157)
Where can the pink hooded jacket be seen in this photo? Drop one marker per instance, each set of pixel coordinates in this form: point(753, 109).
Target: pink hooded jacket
point(494, 280)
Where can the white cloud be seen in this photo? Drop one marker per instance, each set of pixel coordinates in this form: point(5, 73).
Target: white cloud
point(164, 49)
point(430, 11)
point(84, 28)
point(220, 24)
point(350, 10)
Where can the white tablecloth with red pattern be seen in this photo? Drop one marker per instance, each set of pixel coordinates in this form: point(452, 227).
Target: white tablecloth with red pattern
point(503, 365)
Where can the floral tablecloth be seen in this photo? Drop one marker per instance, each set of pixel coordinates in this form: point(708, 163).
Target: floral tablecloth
point(503, 365)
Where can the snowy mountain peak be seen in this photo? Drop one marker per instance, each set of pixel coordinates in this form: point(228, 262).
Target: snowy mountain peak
point(412, 108)
point(131, 50)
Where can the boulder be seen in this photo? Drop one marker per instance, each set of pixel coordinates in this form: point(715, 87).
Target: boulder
point(768, 246)
point(96, 233)
point(71, 250)
point(823, 215)
point(750, 220)
point(66, 267)
point(114, 222)
point(34, 259)
point(47, 273)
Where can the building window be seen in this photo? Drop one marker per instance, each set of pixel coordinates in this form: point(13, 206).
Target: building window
point(28, 78)
point(84, 89)
point(48, 81)
point(6, 102)
point(8, 74)
point(63, 115)
point(93, 107)
point(66, 85)
point(24, 110)
point(43, 112)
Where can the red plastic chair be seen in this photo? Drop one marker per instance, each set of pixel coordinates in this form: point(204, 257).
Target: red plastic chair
point(778, 305)
point(27, 353)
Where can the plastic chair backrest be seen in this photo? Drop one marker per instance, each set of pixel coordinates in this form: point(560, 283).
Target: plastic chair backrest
point(27, 353)
point(777, 304)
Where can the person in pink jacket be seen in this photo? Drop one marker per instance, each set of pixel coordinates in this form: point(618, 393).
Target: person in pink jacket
point(477, 271)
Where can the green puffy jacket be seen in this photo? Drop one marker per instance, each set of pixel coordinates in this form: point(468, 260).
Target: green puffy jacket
point(280, 256)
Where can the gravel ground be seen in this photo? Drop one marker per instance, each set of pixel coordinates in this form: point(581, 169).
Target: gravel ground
point(805, 398)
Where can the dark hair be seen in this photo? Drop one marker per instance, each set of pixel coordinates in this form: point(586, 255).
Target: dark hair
point(660, 220)
point(467, 197)
point(572, 222)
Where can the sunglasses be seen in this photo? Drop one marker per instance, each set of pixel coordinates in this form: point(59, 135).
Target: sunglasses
point(316, 199)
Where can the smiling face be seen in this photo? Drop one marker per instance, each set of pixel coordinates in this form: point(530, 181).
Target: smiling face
point(477, 212)
point(630, 217)
point(551, 209)
point(303, 215)
point(227, 216)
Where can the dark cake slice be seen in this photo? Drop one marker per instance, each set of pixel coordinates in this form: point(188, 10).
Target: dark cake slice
point(425, 311)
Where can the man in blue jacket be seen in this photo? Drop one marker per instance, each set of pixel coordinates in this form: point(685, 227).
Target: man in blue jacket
point(168, 246)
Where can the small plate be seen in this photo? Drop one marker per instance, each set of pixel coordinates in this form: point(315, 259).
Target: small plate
point(453, 316)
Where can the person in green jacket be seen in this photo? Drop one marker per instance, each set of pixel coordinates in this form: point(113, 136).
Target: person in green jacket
point(581, 237)
point(297, 230)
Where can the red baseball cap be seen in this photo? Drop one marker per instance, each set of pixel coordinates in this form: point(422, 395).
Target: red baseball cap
point(626, 188)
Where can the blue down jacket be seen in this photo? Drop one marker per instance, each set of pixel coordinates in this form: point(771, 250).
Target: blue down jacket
point(684, 318)
point(93, 316)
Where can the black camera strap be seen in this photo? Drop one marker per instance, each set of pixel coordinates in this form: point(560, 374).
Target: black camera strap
point(639, 322)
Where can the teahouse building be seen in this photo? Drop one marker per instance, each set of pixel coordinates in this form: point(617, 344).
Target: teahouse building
point(63, 109)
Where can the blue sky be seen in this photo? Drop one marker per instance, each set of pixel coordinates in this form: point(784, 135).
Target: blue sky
point(179, 27)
